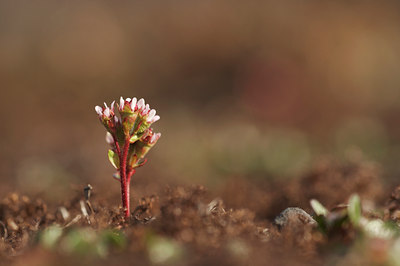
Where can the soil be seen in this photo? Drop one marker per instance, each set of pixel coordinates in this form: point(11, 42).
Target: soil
point(235, 226)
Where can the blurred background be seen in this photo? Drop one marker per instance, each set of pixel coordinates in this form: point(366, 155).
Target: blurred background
point(249, 89)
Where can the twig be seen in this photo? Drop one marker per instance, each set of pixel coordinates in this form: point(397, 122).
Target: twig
point(73, 221)
point(84, 211)
point(5, 234)
point(64, 213)
point(87, 191)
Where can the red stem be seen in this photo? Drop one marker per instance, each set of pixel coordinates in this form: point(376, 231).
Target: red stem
point(130, 174)
point(128, 188)
point(117, 147)
point(124, 179)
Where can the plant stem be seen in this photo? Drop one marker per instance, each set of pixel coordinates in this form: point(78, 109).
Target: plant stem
point(130, 172)
point(124, 179)
point(117, 147)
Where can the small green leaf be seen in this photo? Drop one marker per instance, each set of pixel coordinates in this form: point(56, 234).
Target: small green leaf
point(354, 209)
point(377, 228)
point(322, 224)
point(140, 126)
point(114, 159)
point(113, 238)
point(163, 250)
point(50, 236)
point(318, 208)
point(134, 138)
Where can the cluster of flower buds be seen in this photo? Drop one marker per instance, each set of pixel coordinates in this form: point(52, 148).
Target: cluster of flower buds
point(131, 127)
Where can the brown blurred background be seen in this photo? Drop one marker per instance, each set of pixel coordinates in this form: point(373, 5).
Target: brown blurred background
point(252, 89)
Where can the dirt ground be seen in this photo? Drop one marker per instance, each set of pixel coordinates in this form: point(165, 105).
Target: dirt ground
point(187, 225)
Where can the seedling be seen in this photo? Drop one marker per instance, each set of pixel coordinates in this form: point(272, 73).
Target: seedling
point(130, 136)
point(330, 222)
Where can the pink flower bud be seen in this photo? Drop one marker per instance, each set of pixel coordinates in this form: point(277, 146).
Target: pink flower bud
point(141, 103)
point(107, 112)
point(154, 138)
point(152, 113)
point(155, 118)
point(146, 109)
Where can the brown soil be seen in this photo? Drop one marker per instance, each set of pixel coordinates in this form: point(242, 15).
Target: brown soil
point(330, 182)
point(234, 229)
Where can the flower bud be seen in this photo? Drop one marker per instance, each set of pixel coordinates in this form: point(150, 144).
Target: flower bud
point(121, 103)
point(99, 110)
point(109, 138)
point(133, 104)
point(141, 104)
point(143, 146)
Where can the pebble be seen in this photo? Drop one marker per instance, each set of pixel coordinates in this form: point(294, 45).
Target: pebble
point(294, 216)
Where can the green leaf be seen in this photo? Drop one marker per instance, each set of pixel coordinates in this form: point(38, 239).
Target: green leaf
point(164, 251)
point(114, 159)
point(318, 208)
point(377, 228)
point(139, 126)
point(134, 138)
point(113, 238)
point(354, 209)
point(50, 236)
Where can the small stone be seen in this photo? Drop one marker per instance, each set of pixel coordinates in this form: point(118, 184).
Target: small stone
point(294, 216)
point(12, 226)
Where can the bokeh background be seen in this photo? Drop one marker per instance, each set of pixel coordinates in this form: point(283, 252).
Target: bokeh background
point(249, 89)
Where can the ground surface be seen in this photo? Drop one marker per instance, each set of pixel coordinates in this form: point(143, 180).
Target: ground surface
point(187, 225)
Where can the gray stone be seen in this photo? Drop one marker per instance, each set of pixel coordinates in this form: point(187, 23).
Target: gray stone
point(294, 216)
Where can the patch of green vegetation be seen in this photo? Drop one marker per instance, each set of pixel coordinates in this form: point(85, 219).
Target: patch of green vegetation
point(82, 241)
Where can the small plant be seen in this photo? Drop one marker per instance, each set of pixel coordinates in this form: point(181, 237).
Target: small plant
point(349, 216)
point(130, 137)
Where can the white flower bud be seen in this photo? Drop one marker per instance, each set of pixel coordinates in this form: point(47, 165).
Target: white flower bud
point(121, 103)
point(99, 110)
point(146, 109)
point(107, 112)
point(155, 137)
point(155, 118)
point(152, 113)
point(109, 138)
point(141, 103)
point(133, 104)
